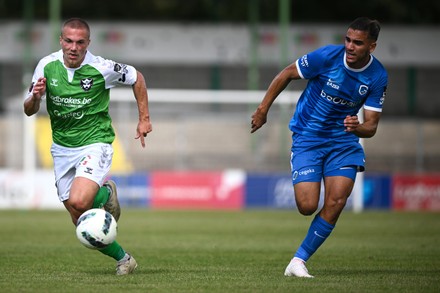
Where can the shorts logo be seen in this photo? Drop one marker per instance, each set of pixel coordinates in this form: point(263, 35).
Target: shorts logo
point(84, 161)
point(306, 172)
point(86, 84)
point(295, 175)
point(302, 173)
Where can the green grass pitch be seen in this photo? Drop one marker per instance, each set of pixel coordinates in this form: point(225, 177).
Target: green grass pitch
point(222, 251)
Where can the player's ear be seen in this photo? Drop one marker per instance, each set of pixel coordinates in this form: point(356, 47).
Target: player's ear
point(372, 47)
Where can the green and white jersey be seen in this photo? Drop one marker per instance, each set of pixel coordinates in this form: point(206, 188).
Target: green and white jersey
point(77, 99)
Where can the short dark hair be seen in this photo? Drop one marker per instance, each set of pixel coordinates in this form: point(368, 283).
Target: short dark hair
point(76, 22)
point(366, 24)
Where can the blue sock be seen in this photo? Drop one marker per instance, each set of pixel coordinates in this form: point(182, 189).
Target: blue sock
point(318, 232)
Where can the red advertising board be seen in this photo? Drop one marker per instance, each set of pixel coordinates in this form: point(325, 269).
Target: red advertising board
point(416, 192)
point(198, 190)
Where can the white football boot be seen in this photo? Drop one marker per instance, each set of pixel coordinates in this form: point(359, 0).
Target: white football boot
point(297, 268)
point(126, 265)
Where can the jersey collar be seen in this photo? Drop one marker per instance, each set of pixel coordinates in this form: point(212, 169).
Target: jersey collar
point(360, 69)
point(87, 59)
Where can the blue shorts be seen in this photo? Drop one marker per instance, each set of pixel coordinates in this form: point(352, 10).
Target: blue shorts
point(314, 158)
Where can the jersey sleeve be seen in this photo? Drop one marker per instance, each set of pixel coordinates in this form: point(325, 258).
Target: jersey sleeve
point(38, 72)
point(376, 99)
point(311, 64)
point(116, 74)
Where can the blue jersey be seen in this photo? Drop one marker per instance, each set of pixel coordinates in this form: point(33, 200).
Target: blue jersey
point(334, 91)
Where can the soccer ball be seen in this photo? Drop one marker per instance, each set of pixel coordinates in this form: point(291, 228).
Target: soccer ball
point(96, 228)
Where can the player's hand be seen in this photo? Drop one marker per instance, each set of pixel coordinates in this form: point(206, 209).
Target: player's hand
point(259, 118)
point(143, 128)
point(39, 88)
point(351, 123)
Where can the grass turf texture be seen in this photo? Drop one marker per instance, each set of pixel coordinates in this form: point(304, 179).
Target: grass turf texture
point(216, 251)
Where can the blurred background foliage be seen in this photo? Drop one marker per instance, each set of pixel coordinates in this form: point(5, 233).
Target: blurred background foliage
point(400, 12)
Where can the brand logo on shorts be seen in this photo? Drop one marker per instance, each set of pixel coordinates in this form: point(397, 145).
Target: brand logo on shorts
point(84, 161)
point(295, 175)
point(302, 173)
point(306, 172)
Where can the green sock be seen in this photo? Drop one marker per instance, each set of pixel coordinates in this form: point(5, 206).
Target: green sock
point(101, 198)
point(114, 250)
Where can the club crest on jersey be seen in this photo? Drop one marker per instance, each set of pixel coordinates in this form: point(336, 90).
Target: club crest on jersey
point(86, 84)
point(363, 90)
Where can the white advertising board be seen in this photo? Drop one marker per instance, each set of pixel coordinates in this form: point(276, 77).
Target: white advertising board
point(22, 190)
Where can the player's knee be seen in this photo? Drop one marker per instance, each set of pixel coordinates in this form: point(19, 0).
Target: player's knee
point(307, 197)
point(79, 205)
point(307, 209)
point(337, 203)
point(306, 212)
